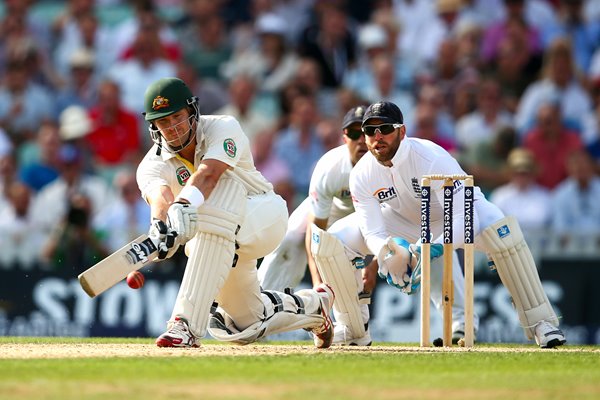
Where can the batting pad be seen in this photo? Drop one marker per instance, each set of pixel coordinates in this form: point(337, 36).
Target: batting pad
point(337, 271)
point(505, 243)
point(211, 254)
point(283, 312)
point(285, 267)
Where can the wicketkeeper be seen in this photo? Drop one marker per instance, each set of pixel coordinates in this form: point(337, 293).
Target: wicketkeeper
point(204, 192)
point(385, 186)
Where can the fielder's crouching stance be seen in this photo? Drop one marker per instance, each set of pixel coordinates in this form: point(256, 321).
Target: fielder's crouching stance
point(387, 198)
point(205, 192)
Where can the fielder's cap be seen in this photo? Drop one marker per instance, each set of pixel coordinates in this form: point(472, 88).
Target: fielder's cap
point(82, 58)
point(270, 23)
point(521, 160)
point(354, 115)
point(74, 122)
point(385, 111)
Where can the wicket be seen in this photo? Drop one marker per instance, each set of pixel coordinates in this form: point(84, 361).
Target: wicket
point(447, 284)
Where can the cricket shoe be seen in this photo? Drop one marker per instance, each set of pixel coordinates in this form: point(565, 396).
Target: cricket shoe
point(343, 337)
point(548, 336)
point(177, 335)
point(323, 334)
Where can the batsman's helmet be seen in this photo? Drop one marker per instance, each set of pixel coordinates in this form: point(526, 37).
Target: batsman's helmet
point(165, 97)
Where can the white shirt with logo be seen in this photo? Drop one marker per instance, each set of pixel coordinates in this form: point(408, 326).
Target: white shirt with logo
point(388, 199)
point(219, 137)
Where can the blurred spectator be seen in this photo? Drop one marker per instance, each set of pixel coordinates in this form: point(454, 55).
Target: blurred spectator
point(86, 34)
point(310, 80)
point(298, 144)
point(551, 143)
point(330, 43)
point(73, 243)
point(211, 94)
point(269, 61)
point(20, 239)
point(480, 125)
point(384, 86)
point(583, 34)
point(469, 36)
point(206, 43)
point(576, 209)
point(521, 197)
point(431, 93)
point(23, 103)
point(487, 160)
point(73, 126)
point(114, 137)
point(514, 25)
point(81, 88)
point(514, 70)
point(145, 19)
point(43, 167)
point(126, 217)
point(19, 22)
point(272, 167)
point(558, 81)
point(146, 65)
point(242, 91)
point(328, 131)
point(51, 204)
point(426, 127)
point(8, 175)
point(65, 24)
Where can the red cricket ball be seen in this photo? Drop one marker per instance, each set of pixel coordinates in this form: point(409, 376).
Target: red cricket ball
point(135, 279)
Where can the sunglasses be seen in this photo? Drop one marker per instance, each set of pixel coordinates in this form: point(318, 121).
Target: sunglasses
point(353, 134)
point(384, 129)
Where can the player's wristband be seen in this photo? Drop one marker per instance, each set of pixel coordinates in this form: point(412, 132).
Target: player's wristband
point(191, 194)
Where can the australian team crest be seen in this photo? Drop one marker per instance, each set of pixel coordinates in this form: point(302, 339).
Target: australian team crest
point(182, 175)
point(229, 147)
point(160, 102)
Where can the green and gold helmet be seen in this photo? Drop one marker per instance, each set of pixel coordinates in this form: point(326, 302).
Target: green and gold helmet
point(165, 97)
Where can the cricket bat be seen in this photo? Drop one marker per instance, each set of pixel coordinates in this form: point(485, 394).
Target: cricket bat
point(114, 268)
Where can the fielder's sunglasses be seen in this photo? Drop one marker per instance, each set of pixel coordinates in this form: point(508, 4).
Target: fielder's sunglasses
point(384, 129)
point(353, 134)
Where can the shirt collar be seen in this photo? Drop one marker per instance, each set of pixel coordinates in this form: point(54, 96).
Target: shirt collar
point(401, 153)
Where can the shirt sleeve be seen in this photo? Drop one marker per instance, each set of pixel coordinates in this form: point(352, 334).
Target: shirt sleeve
point(226, 141)
point(151, 176)
point(320, 192)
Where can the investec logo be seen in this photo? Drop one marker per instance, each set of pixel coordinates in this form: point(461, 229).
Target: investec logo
point(447, 215)
point(385, 194)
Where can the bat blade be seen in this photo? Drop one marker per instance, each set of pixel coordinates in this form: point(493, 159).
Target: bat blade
point(114, 268)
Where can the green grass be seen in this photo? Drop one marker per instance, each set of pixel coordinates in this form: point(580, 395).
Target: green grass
point(328, 375)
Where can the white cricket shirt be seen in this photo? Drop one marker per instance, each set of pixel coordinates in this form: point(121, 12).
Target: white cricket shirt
point(219, 137)
point(375, 186)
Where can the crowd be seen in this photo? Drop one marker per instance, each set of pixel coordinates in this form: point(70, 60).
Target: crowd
point(510, 87)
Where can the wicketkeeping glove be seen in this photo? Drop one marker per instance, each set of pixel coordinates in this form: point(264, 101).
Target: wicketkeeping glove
point(400, 263)
point(183, 218)
point(164, 238)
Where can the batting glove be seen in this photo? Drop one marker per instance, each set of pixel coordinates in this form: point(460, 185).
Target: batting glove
point(164, 238)
point(183, 218)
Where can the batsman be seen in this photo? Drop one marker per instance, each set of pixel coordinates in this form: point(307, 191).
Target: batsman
point(205, 193)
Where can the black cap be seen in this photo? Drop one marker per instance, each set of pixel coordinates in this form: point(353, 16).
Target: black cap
point(385, 111)
point(353, 116)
